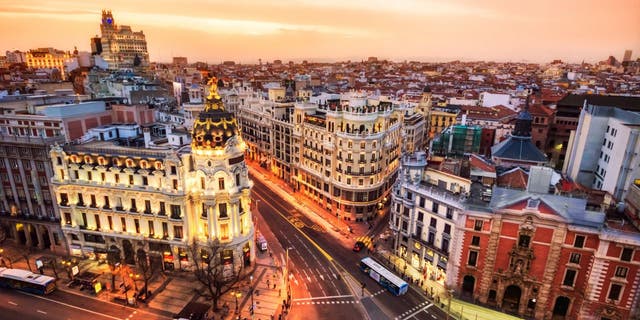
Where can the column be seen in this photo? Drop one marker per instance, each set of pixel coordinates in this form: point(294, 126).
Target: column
point(27, 234)
point(40, 239)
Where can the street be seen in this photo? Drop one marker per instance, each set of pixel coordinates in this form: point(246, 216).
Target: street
point(317, 285)
point(17, 305)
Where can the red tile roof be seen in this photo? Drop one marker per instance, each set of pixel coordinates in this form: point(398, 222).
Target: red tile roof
point(479, 163)
point(514, 178)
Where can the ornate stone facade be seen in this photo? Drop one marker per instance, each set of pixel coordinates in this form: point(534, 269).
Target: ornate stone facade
point(160, 200)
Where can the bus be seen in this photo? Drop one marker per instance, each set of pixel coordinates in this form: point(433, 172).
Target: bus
point(26, 281)
point(383, 276)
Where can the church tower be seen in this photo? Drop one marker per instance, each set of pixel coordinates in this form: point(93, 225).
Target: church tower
point(218, 184)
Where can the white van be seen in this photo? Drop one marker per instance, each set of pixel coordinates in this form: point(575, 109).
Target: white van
point(262, 242)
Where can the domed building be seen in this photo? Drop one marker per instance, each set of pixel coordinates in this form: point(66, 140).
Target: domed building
point(121, 192)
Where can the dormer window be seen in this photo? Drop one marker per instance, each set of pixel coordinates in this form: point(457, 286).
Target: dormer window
point(533, 203)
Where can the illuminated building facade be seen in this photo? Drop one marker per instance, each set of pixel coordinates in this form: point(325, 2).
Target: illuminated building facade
point(425, 204)
point(113, 197)
point(119, 46)
point(48, 58)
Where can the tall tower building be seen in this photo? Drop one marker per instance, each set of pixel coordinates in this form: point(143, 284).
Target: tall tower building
point(121, 47)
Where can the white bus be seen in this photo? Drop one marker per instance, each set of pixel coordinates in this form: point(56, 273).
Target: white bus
point(383, 276)
point(26, 280)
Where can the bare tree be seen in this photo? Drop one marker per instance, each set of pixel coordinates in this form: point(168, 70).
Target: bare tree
point(113, 259)
point(146, 269)
point(26, 254)
point(210, 270)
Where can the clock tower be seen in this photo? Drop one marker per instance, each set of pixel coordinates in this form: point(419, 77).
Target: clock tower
point(108, 24)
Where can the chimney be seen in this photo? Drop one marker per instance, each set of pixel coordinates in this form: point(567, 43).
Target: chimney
point(147, 137)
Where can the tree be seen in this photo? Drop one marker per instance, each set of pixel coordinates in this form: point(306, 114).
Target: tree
point(113, 259)
point(146, 269)
point(26, 254)
point(217, 278)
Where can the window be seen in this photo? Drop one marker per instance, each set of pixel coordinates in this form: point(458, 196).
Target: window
point(449, 213)
point(569, 278)
point(173, 170)
point(626, 255)
point(84, 219)
point(523, 241)
point(222, 208)
point(97, 218)
point(621, 272)
point(106, 202)
point(136, 223)
point(473, 258)
point(177, 232)
point(165, 230)
point(434, 207)
point(421, 202)
point(614, 292)
point(162, 211)
point(579, 241)
point(133, 206)
point(574, 258)
point(151, 229)
point(147, 206)
point(123, 222)
point(478, 225)
point(420, 216)
point(475, 241)
point(110, 221)
point(431, 238)
point(433, 223)
point(447, 228)
point(175, 184)
point(67, 218)
point(445, 245)
point(145, 181)
point(131, 179)
point(176, 213)
point(93, 201)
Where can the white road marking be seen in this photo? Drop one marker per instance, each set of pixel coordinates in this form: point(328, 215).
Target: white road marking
point(13, 303)
point(324, 297)
point(41, 311)
point(322, 277)
point(413, 314)
point(70, 306)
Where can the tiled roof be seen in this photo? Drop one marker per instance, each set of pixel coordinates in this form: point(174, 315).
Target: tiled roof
point(573, 210)
point(514, 178)
point(518, 148)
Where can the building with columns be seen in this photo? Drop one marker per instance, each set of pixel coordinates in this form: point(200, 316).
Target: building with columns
point(160, 199)
point(119, 46)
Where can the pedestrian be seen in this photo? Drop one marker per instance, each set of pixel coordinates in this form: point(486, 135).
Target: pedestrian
point(274, 286)
point(268, 283)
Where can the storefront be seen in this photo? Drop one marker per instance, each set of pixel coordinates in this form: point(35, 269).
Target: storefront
point(75, 250)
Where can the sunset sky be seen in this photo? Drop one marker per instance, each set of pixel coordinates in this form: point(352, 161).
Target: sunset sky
point(335, 30)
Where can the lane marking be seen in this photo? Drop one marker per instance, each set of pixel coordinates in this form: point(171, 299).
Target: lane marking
point(70, 306)
point(12, 303)
point(41, 311)
point(324, 297)
point(413, 314)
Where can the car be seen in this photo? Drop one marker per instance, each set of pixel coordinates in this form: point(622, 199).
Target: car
point(358, 246)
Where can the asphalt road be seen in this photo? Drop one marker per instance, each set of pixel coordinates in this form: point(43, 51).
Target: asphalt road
point(17, 305)
point(317, 292)
point(315, 278)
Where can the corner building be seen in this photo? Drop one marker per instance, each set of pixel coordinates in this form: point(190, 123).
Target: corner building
point(349, 153)
point(124, 199)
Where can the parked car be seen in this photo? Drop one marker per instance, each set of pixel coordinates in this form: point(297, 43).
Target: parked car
point(358, 246)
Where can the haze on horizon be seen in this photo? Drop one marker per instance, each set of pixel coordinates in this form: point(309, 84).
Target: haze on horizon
point(333, 30)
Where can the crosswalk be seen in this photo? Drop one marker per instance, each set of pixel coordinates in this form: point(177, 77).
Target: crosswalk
point(368, 241)
point(326, 302)
point(415, 310)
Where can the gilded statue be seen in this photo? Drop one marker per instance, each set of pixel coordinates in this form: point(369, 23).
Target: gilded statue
point(213, 89)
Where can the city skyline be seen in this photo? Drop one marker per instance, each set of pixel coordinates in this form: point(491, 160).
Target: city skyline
point(246, 31)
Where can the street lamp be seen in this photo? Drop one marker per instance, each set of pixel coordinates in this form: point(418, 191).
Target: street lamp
point(236, 294)
point(251, 293)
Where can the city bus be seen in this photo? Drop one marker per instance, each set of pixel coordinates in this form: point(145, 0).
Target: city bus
point(383, 276)
point(26, 281)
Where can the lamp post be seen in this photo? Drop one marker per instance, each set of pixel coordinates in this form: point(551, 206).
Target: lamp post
point(236, 294)
point(251, 293)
